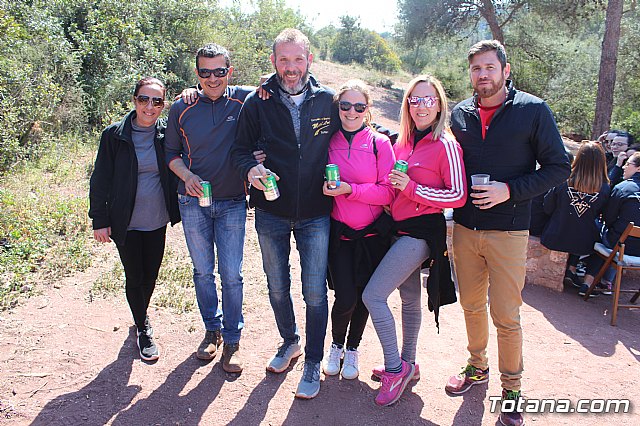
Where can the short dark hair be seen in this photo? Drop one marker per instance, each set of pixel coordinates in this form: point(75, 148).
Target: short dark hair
point(624, 134)
point(488, 46)
point(146, 81)
point(212, 50)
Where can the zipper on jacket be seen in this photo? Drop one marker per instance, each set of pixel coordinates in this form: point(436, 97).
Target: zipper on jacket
point(349, 151)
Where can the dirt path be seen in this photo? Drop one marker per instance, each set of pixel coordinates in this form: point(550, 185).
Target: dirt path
point(66, 360)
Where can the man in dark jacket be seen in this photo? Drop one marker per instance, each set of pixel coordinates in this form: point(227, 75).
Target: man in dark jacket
point(199, 138)
point(503, 132)
point(293, 129)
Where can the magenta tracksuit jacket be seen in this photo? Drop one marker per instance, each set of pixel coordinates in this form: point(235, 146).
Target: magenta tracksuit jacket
point(366, 172)
point(437, 177)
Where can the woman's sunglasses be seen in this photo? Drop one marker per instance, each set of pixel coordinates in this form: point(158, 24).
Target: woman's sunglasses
point(428, 101)
point(358, 107)
point(217, 72)
point(144, 100)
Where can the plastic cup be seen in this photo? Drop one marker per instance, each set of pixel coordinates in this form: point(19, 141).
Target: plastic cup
point(480, 179)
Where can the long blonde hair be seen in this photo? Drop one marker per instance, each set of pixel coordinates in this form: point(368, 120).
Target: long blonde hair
point(407, 125)
point(358, 86)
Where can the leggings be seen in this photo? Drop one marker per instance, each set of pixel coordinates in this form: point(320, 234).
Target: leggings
point(141, 256)
point(348, 310)
point(400, 269)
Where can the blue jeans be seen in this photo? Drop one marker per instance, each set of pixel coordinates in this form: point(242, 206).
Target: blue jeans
point(312, 240)
point(220, 226)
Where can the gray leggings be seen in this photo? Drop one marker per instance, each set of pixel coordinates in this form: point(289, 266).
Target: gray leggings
point(400, 269)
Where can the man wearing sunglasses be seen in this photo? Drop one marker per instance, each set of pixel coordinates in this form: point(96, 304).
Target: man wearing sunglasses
point(198, 141)
point(293, 128)
point(503, 132)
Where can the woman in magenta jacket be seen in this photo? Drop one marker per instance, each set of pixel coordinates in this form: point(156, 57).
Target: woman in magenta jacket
point(435, 180)
point(358, 240)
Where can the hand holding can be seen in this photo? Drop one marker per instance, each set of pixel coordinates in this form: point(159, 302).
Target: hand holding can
point(332, 174)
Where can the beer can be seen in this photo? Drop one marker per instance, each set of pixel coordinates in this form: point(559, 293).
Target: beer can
point(271, 191)
point(401, 166)
point(332, 173)
point(205, 199)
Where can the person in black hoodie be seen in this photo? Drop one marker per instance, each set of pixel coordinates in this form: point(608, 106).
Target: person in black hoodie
point(623, 207)
point(132, 197)
point(575, 206)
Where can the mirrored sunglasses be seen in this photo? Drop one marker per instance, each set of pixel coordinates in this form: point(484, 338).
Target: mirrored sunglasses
point(144, 100)
point(358, 107)
point(217, 72)
point(428, 101)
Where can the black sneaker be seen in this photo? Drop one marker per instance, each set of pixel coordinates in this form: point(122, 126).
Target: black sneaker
point(584, 288)
point(571, 279)
point(511, 417)
point(147, 347)
point(147, 326)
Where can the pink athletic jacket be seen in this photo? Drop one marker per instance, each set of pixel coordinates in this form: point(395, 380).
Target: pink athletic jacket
point(366, 172)
point(437, 177)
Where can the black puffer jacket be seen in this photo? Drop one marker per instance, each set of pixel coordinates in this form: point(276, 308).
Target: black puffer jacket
point(267, 125)
point(522, 132)
point(113, 184)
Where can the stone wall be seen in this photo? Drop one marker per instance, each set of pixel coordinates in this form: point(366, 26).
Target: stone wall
point(545, 267)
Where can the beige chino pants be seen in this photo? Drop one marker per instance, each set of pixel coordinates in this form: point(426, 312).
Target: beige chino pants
point(491, 265)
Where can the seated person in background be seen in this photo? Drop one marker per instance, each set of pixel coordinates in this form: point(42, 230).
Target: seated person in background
point(605, 139)
point(615, 171)
point(574, 207)
point(623, 207)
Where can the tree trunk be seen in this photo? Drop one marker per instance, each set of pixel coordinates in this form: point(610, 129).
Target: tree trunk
point(488, 12)
point(607, 75)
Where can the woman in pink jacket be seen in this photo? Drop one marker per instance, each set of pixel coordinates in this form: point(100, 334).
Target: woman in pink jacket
point(358, 237)
point(435, 180)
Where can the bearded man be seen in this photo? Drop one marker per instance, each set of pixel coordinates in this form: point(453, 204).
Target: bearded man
point(503, 132)
point(292, 128)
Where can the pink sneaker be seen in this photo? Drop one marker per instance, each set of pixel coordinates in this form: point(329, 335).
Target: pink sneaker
point(377, 372)
point(394, 384)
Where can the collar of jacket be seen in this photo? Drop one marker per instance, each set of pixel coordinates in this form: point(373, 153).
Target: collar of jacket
point(125, 127)
point(272, 86)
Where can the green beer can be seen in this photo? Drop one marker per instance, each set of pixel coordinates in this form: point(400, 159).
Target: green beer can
point(401, 166)
point(332, 173)
point(205, 199)
point(271, 191)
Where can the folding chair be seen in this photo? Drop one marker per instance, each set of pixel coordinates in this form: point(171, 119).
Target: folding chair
point(621, 261)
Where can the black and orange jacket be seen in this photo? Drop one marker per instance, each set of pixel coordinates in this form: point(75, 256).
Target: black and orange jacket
point(267, 125)
point(202, 135)
point(114, 181)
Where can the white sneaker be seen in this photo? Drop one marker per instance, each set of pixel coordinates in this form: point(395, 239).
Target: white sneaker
point(350, 365)
point(331, 361)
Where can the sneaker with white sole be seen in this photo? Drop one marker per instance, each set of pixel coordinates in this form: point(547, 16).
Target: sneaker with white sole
point(393, 384)
point(309, 385)
point(147, 347)
point(281, 360)
point(350, 365)
point(331, 361)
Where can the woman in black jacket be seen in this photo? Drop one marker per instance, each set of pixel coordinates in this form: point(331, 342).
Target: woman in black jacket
point(132, 197)
point(574, 207)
